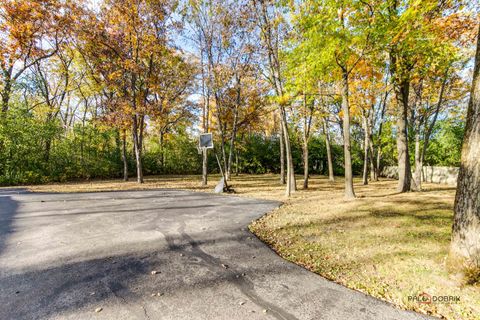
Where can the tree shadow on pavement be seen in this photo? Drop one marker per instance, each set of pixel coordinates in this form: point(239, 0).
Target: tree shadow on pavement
point(8, 209)
point(71, 287)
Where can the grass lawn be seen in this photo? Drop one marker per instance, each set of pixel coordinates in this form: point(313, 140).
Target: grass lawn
point(385, 244)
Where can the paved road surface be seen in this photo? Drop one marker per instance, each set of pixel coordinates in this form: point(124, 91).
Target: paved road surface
point(64, 255)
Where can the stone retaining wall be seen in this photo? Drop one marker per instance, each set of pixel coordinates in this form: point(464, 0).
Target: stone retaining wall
point(446, 175)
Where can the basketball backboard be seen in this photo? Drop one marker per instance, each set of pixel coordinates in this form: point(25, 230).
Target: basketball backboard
point(205, 141)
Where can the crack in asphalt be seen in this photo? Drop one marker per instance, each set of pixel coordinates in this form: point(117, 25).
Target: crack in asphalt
point(215, 265)
point(145, 312)
point(116, 293)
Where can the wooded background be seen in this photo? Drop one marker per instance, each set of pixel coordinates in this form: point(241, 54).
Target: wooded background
point(121, 88)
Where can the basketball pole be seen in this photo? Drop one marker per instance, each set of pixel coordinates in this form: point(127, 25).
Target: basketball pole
point(221, 171)
point(204, 166)
point(203, 147)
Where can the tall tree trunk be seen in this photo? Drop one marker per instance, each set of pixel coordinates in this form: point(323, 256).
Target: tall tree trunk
point(48, 146)
point(331, 176)
point(230, 152)
point(305, 163)
point(137, 145)
point(282, 157)
point(365, 151)
point(401, 81)
point(293, 180)
point(379, 145)
point(379, 160)
point(465, 246)
point(307, 120)
point(417, 175)
point(291, 185)
point(373, 171)
point(206, 112)
point(224, 155)
point(7, 90)
point(221, 130)
point(349, 192)
point(118, 144)
point(124, 155)
point(162, 151)
point(223, 162)
point(234, 130)
point(404, 171)
point(271, 44)
point(237, 156)
point(140, 142)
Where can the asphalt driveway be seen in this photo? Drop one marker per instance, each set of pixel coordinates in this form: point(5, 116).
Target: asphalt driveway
point(160, 254)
